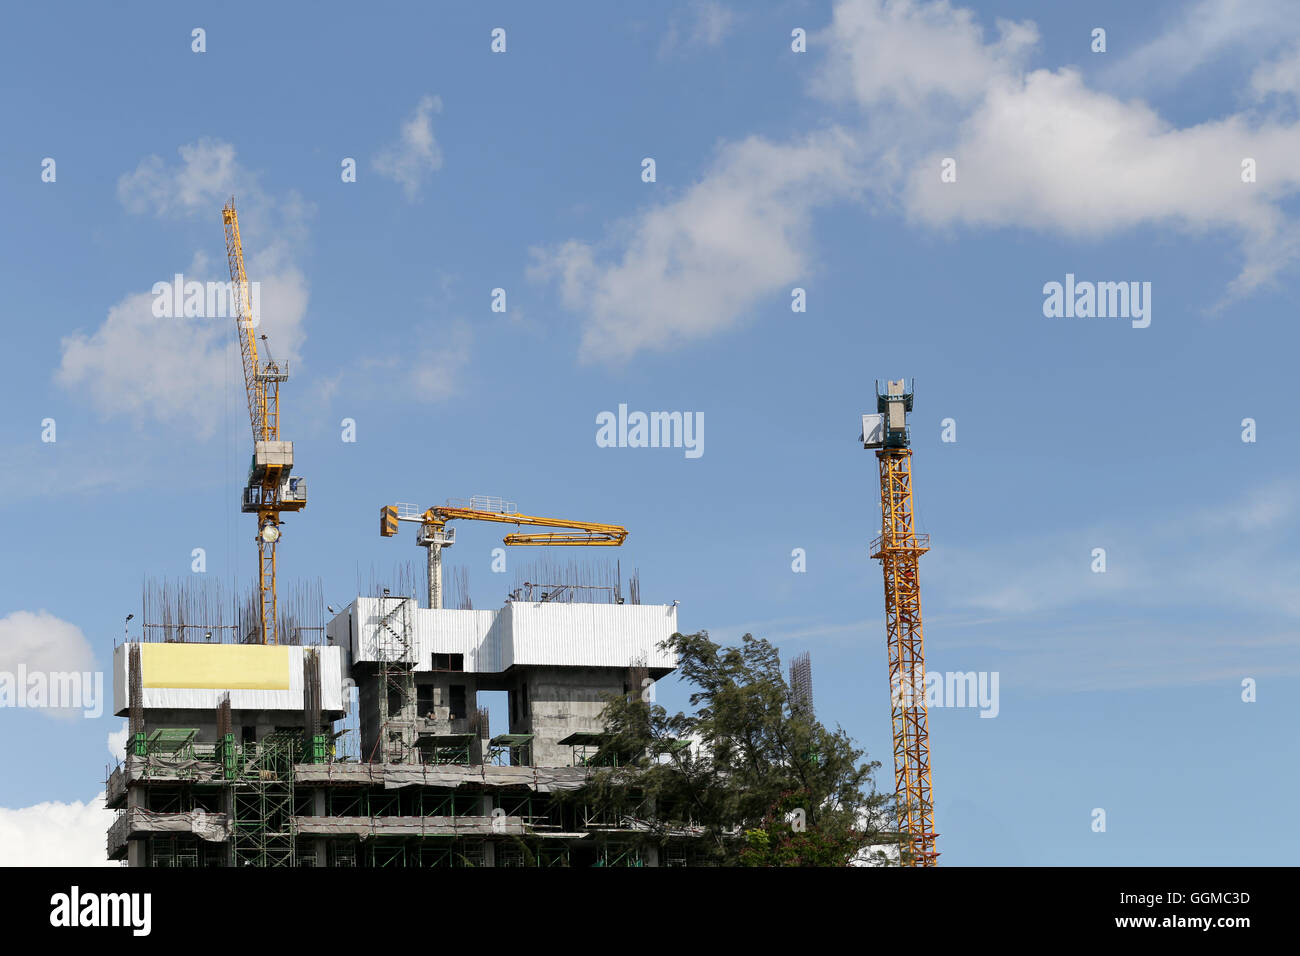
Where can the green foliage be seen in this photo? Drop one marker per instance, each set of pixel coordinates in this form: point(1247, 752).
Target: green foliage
point(760, 760)
point(784, 839)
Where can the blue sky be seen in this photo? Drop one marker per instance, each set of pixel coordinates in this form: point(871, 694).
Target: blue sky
point(820, 170)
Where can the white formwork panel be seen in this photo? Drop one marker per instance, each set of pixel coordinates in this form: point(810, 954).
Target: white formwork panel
point(592, 635)
point(554, 634)
point(475, 634)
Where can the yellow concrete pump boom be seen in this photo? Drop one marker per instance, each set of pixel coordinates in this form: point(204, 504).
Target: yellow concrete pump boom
point(435, 535)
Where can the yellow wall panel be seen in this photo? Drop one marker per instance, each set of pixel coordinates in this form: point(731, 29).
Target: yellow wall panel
point(221, 666)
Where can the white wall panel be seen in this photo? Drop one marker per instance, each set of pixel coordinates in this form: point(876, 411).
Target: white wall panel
point(559, 634)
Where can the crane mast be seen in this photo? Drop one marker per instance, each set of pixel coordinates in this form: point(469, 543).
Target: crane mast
point(435, 535)
point(271, 489)
point(899, 548)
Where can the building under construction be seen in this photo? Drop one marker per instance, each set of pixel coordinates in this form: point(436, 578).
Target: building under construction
point(233, 758)
point(232, 755)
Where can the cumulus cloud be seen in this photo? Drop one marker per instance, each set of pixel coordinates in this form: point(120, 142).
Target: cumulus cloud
point(167, 370)
point(117, 741)
point(1046, 152)
point(1037, 149)
point(56, 834)
point(912, 54)
point(409, 161)
point(173, 370)
point(1041, 149)
point(695, 265)
point(37, 641)
point(206, 175)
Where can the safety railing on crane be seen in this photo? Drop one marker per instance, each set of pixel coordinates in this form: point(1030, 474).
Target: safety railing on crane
point(906, 542)
point(484, 503)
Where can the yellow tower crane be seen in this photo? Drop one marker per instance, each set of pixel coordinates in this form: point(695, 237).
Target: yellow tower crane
point(435, 535)
point(271, 489)
point(898, 549)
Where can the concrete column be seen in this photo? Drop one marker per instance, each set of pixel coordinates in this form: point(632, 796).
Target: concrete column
point(318, 808)
point(489, 845)
point(228, 805)
point(135, 849)
point(435, 576)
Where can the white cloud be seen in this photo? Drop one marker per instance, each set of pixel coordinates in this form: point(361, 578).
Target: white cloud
point(167, 370)
point(695, 265)
point(910, 54)
point(1044, 151)
point(174, 370)
point(42, 641)
point(37, 641)
point(1279, 75)
point(415, 155)
point(206, 177)
point(1048, 153)
point(117, 741)
point(1203, 33)
point(706, 24)
point(56, 834)
point(1039, 150)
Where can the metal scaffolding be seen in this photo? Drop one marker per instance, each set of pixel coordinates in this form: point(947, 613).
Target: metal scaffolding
point(262, 803)
point(396, 657)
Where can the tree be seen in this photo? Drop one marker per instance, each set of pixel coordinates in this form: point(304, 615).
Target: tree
point(752, 776)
